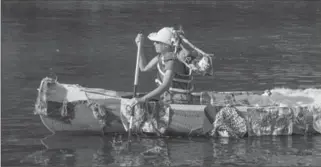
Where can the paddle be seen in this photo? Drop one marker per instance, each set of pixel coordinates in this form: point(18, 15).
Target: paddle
point(135, 89)
point(181, 32)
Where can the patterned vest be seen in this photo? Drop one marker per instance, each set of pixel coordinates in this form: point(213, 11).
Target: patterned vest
point(181, 83)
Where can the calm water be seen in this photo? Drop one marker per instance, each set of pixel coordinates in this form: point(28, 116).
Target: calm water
point(258, 45)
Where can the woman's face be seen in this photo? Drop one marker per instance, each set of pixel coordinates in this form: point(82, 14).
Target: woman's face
point(161, 47)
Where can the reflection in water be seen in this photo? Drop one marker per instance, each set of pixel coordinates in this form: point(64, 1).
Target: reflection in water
point(264, 151)
point(112, 151)
point(97, 151)
point(62, 150)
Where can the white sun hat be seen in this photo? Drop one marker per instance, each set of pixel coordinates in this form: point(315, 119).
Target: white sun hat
point(164, 35)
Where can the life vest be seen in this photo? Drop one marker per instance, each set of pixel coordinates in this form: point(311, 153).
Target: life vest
point(181, 83)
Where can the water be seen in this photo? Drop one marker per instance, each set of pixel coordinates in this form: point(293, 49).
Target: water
point(258, 45)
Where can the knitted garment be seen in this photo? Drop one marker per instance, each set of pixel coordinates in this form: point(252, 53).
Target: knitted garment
point(151, 117)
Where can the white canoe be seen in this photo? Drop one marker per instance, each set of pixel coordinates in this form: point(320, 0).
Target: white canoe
point(73, 108)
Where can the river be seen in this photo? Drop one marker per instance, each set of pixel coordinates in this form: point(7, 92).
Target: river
point(257, 44)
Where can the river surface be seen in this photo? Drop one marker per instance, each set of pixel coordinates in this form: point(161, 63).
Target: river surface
point(258, 45)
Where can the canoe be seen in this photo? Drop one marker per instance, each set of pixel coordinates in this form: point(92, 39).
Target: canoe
point(280, 111)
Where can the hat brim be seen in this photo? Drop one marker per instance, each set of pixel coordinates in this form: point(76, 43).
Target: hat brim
point(154, 37)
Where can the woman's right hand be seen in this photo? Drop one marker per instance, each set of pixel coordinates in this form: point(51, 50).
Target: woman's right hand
point(139, 39)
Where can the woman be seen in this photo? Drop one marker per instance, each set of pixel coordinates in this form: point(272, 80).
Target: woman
point(173, 78)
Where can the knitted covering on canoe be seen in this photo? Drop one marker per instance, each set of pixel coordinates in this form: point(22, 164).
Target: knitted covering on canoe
point(236, 114)
point(152, 117)
point(260, 121)
point(298, 112)
point(240, 114)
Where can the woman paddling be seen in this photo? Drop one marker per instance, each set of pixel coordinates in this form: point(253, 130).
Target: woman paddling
point(173, 77)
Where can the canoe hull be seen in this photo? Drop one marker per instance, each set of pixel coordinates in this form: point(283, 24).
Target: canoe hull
point(73, 108)
point(85, 121)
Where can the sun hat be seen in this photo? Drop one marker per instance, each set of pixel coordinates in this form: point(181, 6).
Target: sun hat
point(164, 35)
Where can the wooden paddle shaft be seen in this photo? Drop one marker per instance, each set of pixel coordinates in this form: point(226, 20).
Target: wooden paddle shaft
point(135, 88)
point(137, 69)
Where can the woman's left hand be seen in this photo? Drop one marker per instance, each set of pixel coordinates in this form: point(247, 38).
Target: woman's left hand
point(135, 101)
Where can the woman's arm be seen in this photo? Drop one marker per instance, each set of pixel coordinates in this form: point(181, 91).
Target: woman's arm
point(150, 65)
point(162, 88)
point(156, 92)
point(168, 77)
